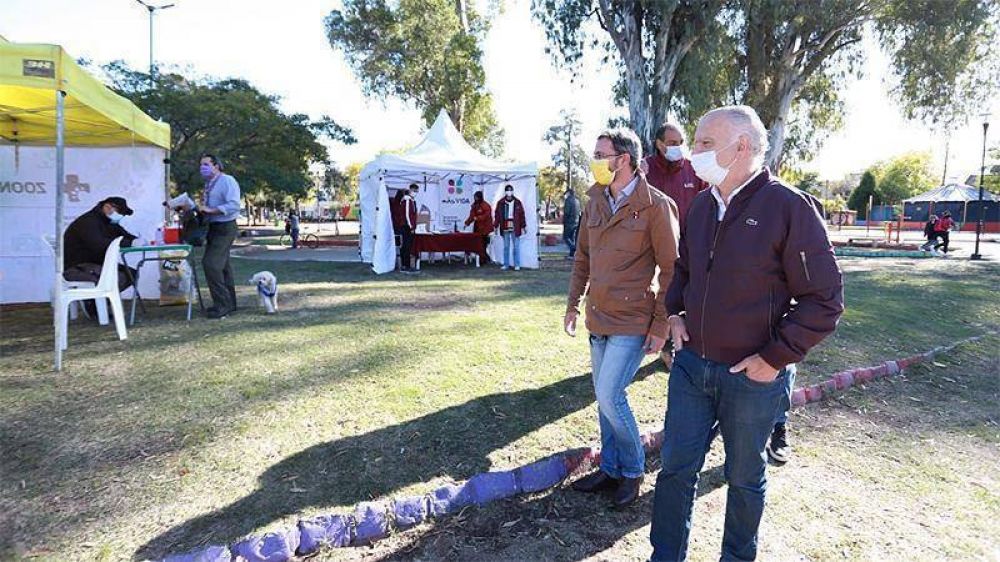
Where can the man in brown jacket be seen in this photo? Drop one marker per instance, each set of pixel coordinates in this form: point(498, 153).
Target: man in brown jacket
point(756, 286)
point(627, 231)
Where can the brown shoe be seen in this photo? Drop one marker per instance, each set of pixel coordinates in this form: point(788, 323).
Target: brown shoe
point(627, 492)
point(595, 482)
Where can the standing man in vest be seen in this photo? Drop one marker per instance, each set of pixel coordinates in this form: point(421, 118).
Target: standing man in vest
point(756, 287)
point(627, 231)
point(222, 205)
point(670, 171)
point(407, 225)
point(511, 224)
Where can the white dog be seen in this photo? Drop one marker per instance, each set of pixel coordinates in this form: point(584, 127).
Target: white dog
point(267, 288)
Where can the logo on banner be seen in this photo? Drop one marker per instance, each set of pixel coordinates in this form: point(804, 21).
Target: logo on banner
point(30, 187)
point(72, 187)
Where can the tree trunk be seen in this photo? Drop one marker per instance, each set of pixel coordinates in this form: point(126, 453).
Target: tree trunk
point(789, 86)
point(624, 25)
point(461, 12)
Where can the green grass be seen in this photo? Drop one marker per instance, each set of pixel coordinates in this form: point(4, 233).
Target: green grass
point(361, 387)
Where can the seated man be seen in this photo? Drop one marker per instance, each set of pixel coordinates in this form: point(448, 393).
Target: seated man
point(87, 239)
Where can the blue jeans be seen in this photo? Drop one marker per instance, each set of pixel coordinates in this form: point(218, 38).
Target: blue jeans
point(614, 361)
point(700, 393)
point(511, 244)
point(295, 238)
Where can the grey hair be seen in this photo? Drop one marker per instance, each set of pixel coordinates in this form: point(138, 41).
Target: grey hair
point(671, 124)
point(624, 141)
point(745, 122)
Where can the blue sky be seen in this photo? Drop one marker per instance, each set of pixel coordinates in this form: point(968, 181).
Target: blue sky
point(281, 48)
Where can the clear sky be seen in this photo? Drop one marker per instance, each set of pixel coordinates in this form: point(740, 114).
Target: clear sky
point(281, 48)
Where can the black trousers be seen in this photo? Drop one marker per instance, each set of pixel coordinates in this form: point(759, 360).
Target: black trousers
point(218, 271)
point(92, 272)
point(406, 248)
point(943, 241)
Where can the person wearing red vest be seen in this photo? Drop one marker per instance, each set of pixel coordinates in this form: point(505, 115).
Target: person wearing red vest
point(669, 170)
point(481, 216)
point(511, 222)
point(942, 228)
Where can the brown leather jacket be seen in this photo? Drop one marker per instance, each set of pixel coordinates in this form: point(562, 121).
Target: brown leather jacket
point(616, 261)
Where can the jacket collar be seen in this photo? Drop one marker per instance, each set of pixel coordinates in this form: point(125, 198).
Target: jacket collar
point(762, 178)
point(641, 197)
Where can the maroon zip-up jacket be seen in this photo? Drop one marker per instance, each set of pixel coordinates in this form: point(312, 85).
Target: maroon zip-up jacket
point(735, 280)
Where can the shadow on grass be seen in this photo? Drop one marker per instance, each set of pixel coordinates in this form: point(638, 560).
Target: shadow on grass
point(453, 442)
point(58, 446)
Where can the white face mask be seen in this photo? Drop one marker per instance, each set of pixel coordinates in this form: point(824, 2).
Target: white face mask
point(674, 153)
point(707, 167)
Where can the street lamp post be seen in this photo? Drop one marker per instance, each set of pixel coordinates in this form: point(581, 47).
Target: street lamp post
point(151, 9)
point(982, 177)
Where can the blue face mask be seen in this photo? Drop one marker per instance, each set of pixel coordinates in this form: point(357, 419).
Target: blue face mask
point(115, 217)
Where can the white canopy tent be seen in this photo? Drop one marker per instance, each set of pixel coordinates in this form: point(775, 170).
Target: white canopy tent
point(448, 172)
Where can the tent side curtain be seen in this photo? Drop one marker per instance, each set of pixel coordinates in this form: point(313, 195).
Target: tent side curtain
point(95, 116)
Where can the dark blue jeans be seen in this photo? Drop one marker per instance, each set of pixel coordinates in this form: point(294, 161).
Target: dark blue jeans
point(700, 393)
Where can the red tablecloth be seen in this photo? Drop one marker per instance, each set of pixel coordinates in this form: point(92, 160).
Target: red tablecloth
point(450, 242)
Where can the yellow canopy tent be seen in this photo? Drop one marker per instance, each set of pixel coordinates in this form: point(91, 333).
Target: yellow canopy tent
point(47, 99)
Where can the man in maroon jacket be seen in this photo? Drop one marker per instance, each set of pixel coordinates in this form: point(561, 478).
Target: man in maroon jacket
point(669, 169)
point(511, 222)
point(749, 248)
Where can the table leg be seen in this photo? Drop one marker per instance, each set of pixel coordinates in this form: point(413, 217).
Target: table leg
point(197, 287)
point(134, 280)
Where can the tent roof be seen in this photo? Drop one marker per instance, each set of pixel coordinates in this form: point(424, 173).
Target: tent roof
point(444, 150)
point(30, 74)
point(952, 192)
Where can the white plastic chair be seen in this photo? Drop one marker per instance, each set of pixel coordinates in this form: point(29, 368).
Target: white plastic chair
point(49, 242)
point(106, 288)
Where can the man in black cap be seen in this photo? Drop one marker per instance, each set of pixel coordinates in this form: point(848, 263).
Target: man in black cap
point(87, 239)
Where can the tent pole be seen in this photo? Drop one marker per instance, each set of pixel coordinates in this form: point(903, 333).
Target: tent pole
point(60, 179)
point(166, 188)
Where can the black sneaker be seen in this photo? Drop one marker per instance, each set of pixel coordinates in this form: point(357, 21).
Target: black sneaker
point(778, 448)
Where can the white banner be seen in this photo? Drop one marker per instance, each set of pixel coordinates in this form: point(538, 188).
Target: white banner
point(455, 195)
point(27, 208)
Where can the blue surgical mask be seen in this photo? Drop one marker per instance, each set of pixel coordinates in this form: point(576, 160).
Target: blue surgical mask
point(206, 170)
point(115, 217)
